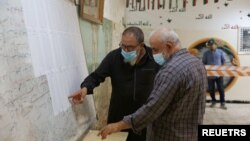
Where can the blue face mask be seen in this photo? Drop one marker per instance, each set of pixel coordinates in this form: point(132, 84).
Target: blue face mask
point(159, 59)
point(129, 56)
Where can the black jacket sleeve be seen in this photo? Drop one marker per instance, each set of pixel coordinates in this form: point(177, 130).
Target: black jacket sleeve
point(99, 75)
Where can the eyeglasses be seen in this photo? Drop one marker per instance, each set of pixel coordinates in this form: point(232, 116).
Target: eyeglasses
point(128, 47)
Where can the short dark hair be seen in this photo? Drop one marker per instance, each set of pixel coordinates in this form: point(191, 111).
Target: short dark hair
point(210, 42)
point(136, 31)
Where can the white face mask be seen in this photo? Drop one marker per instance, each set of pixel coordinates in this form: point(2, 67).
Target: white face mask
point(159, 58)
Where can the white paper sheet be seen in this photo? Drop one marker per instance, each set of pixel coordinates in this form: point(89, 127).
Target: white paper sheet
point(56, 47)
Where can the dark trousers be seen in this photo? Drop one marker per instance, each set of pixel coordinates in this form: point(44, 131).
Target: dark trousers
point(135, 137)
point(211, 88)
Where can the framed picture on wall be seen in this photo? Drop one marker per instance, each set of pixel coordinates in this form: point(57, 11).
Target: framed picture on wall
point(92, 10)
point(244, 40)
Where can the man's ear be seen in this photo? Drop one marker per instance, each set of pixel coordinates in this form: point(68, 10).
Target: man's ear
point(169, 46)
point(142, 45)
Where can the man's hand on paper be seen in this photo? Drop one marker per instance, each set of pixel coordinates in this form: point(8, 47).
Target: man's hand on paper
point(113, 128)
point(78, 96)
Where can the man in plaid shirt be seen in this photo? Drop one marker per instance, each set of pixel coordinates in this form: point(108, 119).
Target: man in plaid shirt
point(176, 104)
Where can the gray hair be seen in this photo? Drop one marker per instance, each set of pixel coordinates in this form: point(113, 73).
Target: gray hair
point(166, 35)
point(136, 31)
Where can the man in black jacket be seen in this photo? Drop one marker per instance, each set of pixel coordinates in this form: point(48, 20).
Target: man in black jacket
point(132, 69)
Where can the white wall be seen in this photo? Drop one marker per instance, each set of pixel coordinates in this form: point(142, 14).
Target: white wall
point(114, 10)
point(194, 23)
point(240, 90)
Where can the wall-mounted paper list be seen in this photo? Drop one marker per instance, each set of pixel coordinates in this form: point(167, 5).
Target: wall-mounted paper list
point(56, 47)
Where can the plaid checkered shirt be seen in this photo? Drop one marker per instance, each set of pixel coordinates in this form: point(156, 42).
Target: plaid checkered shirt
point(176, 104)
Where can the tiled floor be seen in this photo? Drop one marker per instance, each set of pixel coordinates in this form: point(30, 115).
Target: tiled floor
point(235, 114)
